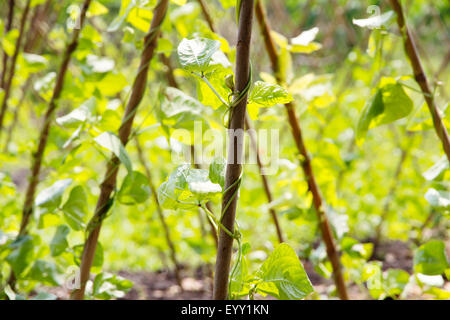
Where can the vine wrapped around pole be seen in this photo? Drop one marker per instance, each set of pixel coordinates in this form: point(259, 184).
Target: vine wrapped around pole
point(234, 167)
point(109, 183)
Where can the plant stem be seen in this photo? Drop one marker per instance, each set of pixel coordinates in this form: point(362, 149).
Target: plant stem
point(8, 84)
point(161, 217)
point(43, 137)
point(109, 181)
point(327, 235)
point(234, 167)
point(207, 15)
point(421, 78)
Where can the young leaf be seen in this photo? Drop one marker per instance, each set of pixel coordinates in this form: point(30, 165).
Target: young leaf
point(304, 43)
point(441, 165)
point(389, 104)
point(431, 258)
point(217, 171)
point(266, 94)
point(111, 142)
point(78, 115)
point(376, 21)
point(283, 276)
point(107, 286)
point(438, 199)
point(180, 110)
point(200, 185)
point(44, 272)
point(59, 242)
point(135, 189)
point(75, 208)
point(50, 198)
point(172, 189)
point(21, 254)
point(195, 54)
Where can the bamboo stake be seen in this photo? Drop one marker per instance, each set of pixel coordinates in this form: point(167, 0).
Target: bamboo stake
point(43, 137)
point(173, 255)
point(109, 181)
point(12, 68)
point(326, 232)
point(234, 167)
point(421, 78)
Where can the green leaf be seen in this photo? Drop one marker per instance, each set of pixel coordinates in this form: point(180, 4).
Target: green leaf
point(441, 165)
point(304, 43)
point(172, 189)
point(389, 104)
point(107, 286)
point(376, 21)
point(267, 94)
point(112, 143)
point(195, 54)
point(135, 189)
point(79, 115)
point(44, 272)
point(180, 110)
point(44, 296)
point(21, 254)
point(33, 62)
point(431, 258)
point(75, 208)
point(99, 64)
point(438, 199)
point(395, 281)
point(217, 170)
point(9, 41)
point(200, 185)
point(59, 242)
point(283, 276)
point(50, 198)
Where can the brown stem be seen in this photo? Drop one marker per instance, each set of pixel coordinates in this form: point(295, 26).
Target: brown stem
point(161, 217)
point(327, 235)
point(169, 74)
point(421, 78)
point(234, 167)
point(265, 183)
point(207, 15)
point(109, 181)
point(12, 68)
point(8, 25)
point(43, 137)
